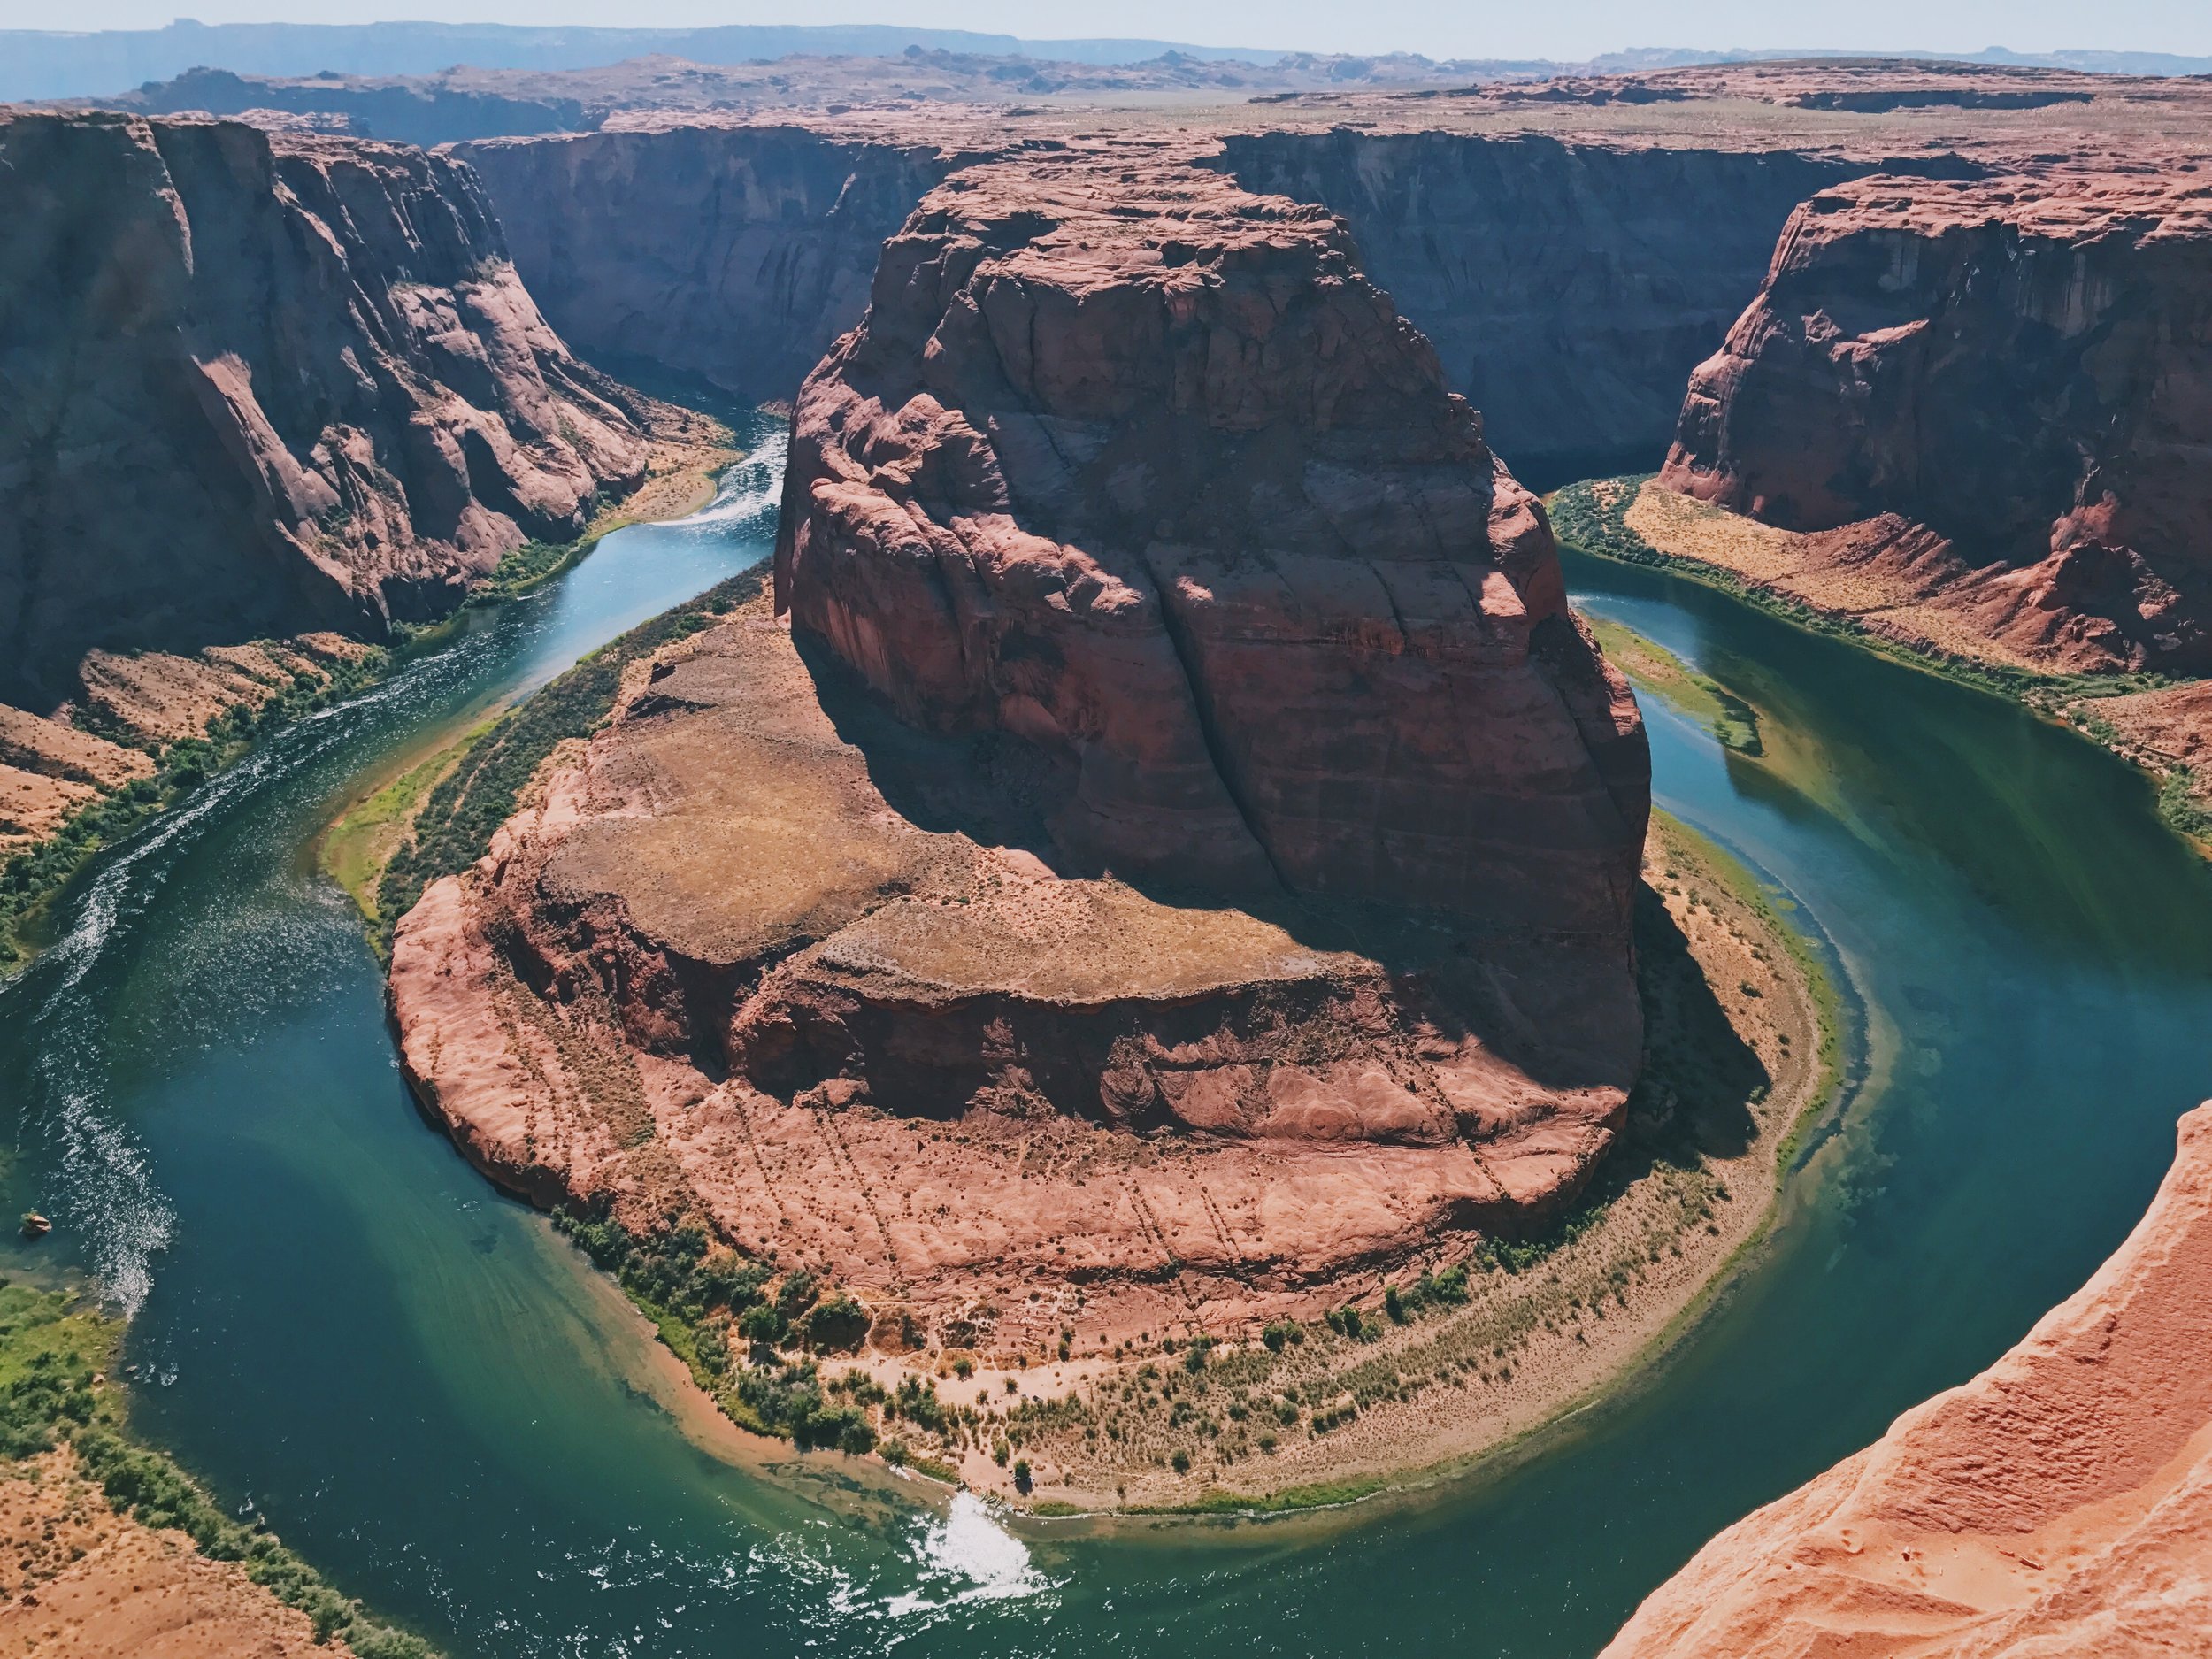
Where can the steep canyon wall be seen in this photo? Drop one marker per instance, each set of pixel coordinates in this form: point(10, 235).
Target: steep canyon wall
point(728, 258)
point(1569, 288)
point(260, 386)
point(1140, 465)
point(2020, 370)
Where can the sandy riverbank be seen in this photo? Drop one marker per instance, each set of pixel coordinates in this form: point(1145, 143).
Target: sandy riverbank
point(77, 1577)
point(1743, 1049)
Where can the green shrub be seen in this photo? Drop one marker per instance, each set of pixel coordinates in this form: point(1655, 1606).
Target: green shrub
point(917, 1401)
point(840, 1323)
point(1350, 1322)
point(762, 1324)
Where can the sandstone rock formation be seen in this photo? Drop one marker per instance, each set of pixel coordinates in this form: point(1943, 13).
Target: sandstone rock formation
point(1152, 476)
point(2019, 373)
point(1573, 248)
point(723, 255)
point(1177, 856)
point(259, 385)
point(2057, 1504)
point(1569, 287)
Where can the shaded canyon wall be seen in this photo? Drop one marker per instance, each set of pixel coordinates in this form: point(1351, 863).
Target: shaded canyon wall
point(1569, 288)
point(727, 259)
point(260, 386)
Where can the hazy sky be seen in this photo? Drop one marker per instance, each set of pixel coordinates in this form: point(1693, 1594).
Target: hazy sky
point(1471, 28)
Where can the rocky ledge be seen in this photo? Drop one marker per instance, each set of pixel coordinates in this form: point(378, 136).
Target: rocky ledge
point(1168, 850)
point(2056, 1504)
point(2003, 389)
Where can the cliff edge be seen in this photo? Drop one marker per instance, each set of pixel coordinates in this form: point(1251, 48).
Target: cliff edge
point(263, 385)
point(2004, 388)
point(2057, 1504)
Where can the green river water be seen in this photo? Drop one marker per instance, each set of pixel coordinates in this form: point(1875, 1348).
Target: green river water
point(337, 1322)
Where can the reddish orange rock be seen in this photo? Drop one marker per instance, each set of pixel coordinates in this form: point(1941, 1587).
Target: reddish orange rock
point(1173, 857)
point(2021, 365)
point(1141, 467)
point(263, 384)
point(2059, 1504)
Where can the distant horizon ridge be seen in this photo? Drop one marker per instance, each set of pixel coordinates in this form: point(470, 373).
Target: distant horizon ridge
point(94, 63)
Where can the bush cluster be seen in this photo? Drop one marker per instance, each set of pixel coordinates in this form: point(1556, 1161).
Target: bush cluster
point(47, 1358)
point(790, 1399)
point(696, 1291)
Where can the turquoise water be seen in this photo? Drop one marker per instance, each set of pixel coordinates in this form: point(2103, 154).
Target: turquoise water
point(338, 1323)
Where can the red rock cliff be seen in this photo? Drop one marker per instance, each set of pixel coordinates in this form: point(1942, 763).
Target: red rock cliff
point(259, 385)
point(1132, 535)
point(1569, 287)
point(2024, 366)
point(2057, 1504)
point(1142, 468)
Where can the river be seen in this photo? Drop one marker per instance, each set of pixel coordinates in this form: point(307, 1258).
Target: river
point(335, 1321)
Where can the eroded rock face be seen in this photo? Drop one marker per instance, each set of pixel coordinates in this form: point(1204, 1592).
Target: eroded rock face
point(2059, 1503)
point(763, 954)
point(2023, 369)
point(1569, 287)
point(261, 385)
point(1169, 846)
point(1145, 471)
point(729, 256)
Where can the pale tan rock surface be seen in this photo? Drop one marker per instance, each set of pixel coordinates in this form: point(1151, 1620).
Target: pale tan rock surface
point(78, 1579)
point(2058, 1506)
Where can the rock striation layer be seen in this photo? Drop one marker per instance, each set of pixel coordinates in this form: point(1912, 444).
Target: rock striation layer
point(1569, 287)
point(723, 255)
point(2059, 1503)
point(2014, 377)
point(1144, 471)
point(1175, 850)
point(259, 386)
